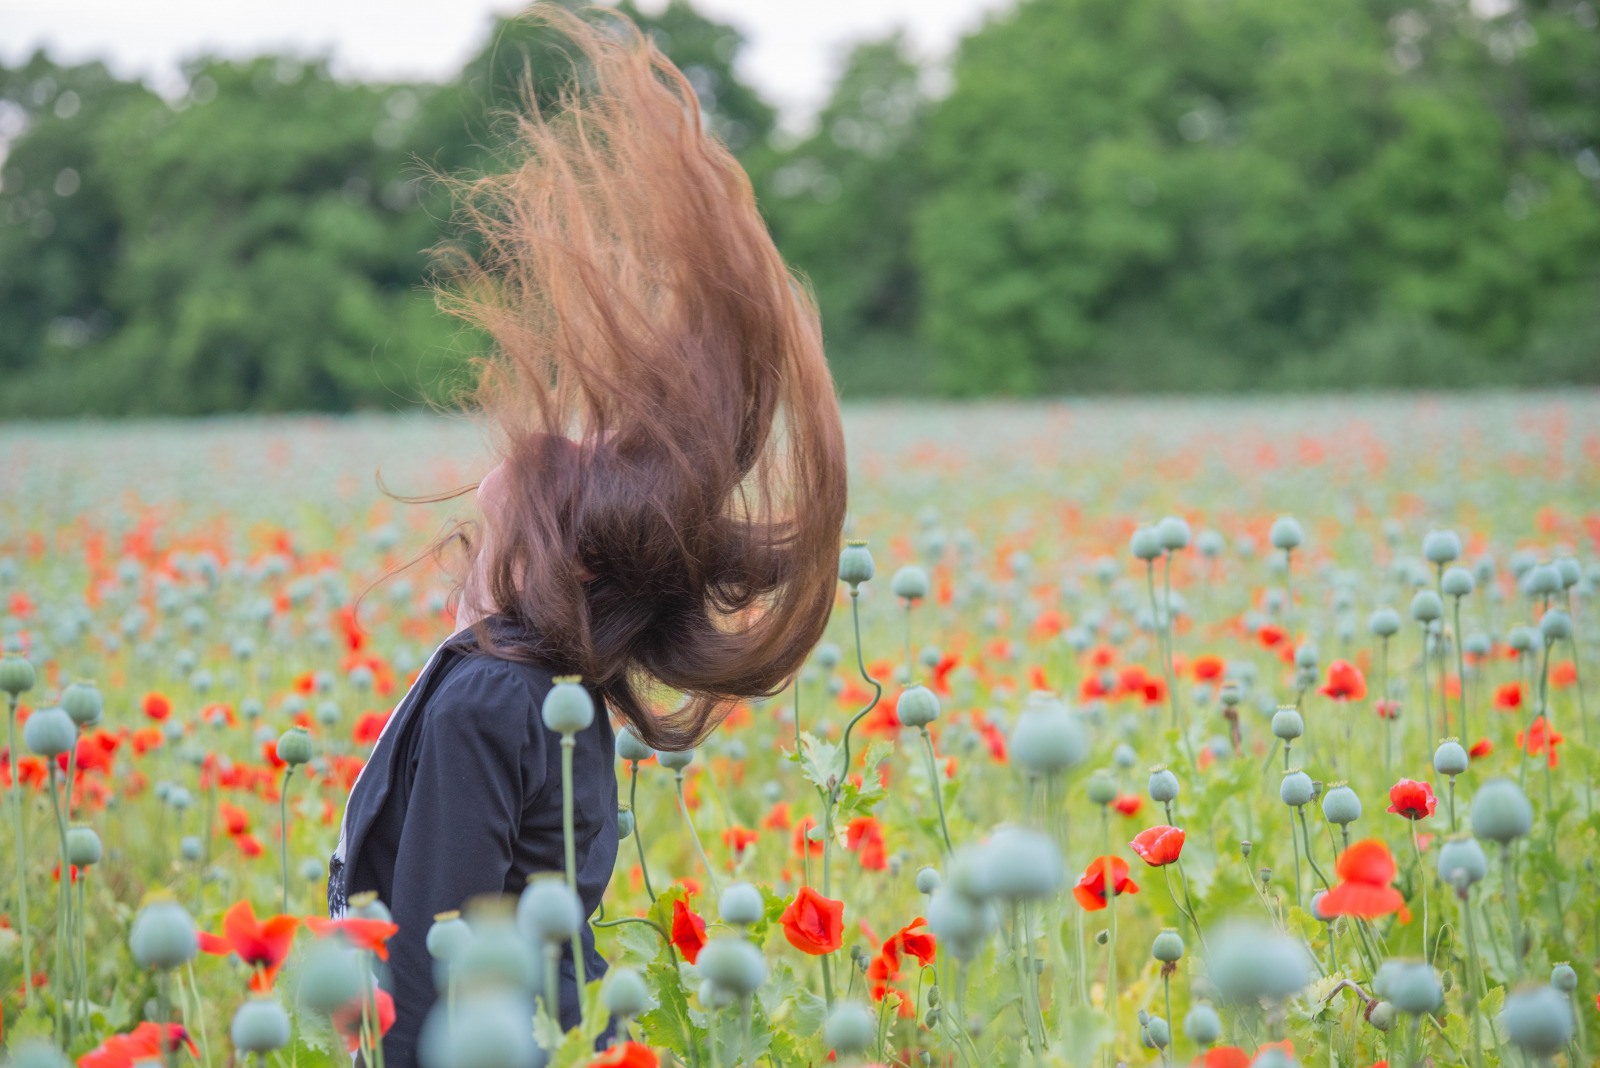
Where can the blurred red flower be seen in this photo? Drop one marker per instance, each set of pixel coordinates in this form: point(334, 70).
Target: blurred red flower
point(1345, 682)
point(627, 1055)
point(143, 1043)
point(348, 1020)
point(688, 931)
point(157, 706)
point(1540, 737)
point(1508, 696)
point(1365, 869)
point(369, 935)
point(1091, 890)
point(262, 944)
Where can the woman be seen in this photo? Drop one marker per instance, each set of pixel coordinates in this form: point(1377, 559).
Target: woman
point(664, 520)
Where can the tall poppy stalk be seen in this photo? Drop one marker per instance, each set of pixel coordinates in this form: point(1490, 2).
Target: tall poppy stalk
point(21, 845)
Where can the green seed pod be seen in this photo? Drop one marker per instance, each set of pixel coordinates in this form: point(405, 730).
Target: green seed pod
point(1173, 533)
point(741, 904)
point(1316, 907)
point(487, 1029)
point(37, 1054)
point(1102, 788)
point(1202, 1025)
point(1462, 863)
point(1571, 573)
point(294, 747)
point(1168, 946)
point(917, 707)
point(910, 583)
point(259, 1026)
point(1426, 606)
point(1521, 639)
point(83, 847)
point(548, 911)
point(567, 708)
point(1384, 623)
point(496, 957)
point(1306, 656)
point(1441, 546)
point(1477, 644)
point(624, 992)
point(849, 1029)
point(961, 923)
point(1538, 1020)
point(675, 761)
point(928, 880)
point(1457, 582)
point(1296, 789)
point(190, 847)
point(1023, 865)
point(49, 732)
point(1382, 1016)
point(1287, 534)
point(16, 675)
point(1341, 805)
point(163, 935)
point(1124, 756)
point(733, 964)
point(629, 747)
point(1413, 987)
point(1555, 625)
point(1501, 812)
point(1287, 723)
point(1543, 580)
point(311, 869)
point(1564, 978)
point(331, 977)
point(1251, 961)
point(449, 937)
point(855, 564)
point(1145, 543)
point(1157, 1033)
point(83, 703)
point(1047, 739)
point(1450, 758)
point(1163, 786)
point(624, 824)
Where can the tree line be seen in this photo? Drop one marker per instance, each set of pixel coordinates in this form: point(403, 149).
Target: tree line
point(1104, 195)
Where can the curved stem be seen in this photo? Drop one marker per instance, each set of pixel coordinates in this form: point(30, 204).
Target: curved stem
point(638, 831)
point(938, 789)
point(694, 836)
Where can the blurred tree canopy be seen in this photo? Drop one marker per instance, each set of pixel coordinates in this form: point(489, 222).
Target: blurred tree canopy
point(1109, 194)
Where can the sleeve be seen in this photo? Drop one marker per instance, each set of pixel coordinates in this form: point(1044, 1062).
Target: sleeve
point(461, 822)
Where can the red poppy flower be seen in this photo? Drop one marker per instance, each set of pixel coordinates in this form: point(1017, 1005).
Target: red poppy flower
point(157, 706)
point(1091, 889)
point(1540, 737)
point(141, 1044)
point(235, 820)
point(1482, 749)
point(1508, 696)
point(626, 1055)
point(1128, 804)
point(885, 967)
point(688, 931)
point(369, 935)
point(801, 840)
point(249, 845)
point(269, 753)
point(264, 945)
point(1159, 845)
point(813, 924)
point(778, 818)
point(347, 1021)
point(1270, 635)
point(368, 727)
point(1155, 691)
point(1412, 799)
point(1345, 682)
point(1224, 1057)
point(1365, 869)
point(1563, 674)
point(1208, 666)
point(865, 835)
point(1386, 709)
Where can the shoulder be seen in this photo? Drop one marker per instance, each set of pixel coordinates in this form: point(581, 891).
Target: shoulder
point(484, 694)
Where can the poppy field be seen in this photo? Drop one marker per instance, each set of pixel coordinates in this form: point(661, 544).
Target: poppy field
point(1144, 732)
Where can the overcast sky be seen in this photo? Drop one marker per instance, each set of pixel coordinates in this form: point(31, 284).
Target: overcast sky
point(794, 45)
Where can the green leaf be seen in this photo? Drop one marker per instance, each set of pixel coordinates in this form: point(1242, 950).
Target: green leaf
point(669, 1024)
point(807, 1013)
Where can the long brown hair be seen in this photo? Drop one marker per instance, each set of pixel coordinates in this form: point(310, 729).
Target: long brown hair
point(659, 397)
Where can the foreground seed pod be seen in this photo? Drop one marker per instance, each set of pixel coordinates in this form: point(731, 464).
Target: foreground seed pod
point(1441, 546)
point(733, 964)
point(1202, 1025)
point(83, 847)
point(1288, 724)
point(1426, 606)
point(1457, 582)
point(549, 912)
point(849, 1028)
point(16, 675)
point(259, 1027)
point(1173, 533)
point(1538, 1020)
point(928, 880)
point(449, 936)
point(163, 935)
point(1384, 623)
point(37, 1055)
point(1450, 758)
point(1168, 946)
point(917, 707)
point(1555, 625)
point(1564, 978)
point(1249, 960)
point(1023, 865)
point(1296, 789)
point(49, 732)
point(294, 747)
point(1286, 533)
point(1462, 863)
point(624, 992)
point(1413, 987)
point(960, 922)
point(1501, 812)
point(1145, 544)
point(567, 708)
point(83, 703)
point(1163, 786)
point(741, 904)
point(624, 824)
point(331, 978)
point(1047, 739)
point(488, 1029)
point(1156, 1033)
point(499, 955)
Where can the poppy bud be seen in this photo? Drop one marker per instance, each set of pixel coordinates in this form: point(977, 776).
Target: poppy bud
point(1441, 546)
point(1295, 789)
point(259, 1026)
point(1168, 946)
point(16, 675)
point(1521, 639)
point(1457, 582)
point(1156, 1034)
point(741, 904)
point(486, 1029)
point(629, 747)
point(1287, 723)
point(624, 824)
point(733, 964)
point(1022, 864)
point(1245, 847)
point(1501, 812)
point(624, 992)
point(1555, 625)
point(83, 847)
point(1382, 1016)
point(567, 708)
point(1426, 606)
point(49, 732)
point(1163, 786)
point(1341, 805)
point(82, 702)
point(448, 937)
point(849, 1029)
point(1541, 581)
point(549, 912)
point(909, 583)
point(1564, 978)
point(855, 564)
point(163, 935)
point(1173, 533)
point(1202, 1025)
point(917, 707)
point(294, 747)
point(675, 761)
point(1538, 1020)
point(1384, 623)
point(1102, 938)
point(1450, 758)
point(1287, 534)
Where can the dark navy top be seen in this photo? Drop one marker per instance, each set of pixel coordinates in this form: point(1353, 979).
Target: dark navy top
point(462, 797)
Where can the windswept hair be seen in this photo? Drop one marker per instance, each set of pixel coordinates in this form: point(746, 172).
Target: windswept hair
point(658, 394)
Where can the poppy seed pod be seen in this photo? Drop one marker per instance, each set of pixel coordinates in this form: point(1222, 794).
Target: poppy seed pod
point(675, 760)
point(83, 847)
point(1024, 865)
point(1047, 738)
point(567, 708)
point(1441, 546)
point(910, 583)
point(1382, 1016)
point(1426, 606)
point(1542, 580)
point(486, 1029)
point(1157, 1033)
point(624, 824)
point(1521, 639)
point(928, 880)
point(917, 707)
point(1202, 1025)
point(733, 964)
point(1250, 961)
point(1501, 812)
point(448, 937)
point(49, 732)
point(1457, 582)
point(855, 563)
point(1173, 533)
point(849, 1028)
point(1168, 946)
point(1341, 805)
point(624, 992)
point(259, 1026)
point(83, 703)
point(1164, 786)
point(1555, 625)
point(1210, 544)
point(1413, 987)
point(189, 847)
point(16, 675)
point(1384, 623)
point(1477, 644)
point(495, 957)
point(163, 935)
point(1287, 723)
point(549, 912)
point(1145, 544)
point(1538, 1020)
point(741, 904)
point(1287, 534)
point(1102, 788)
point(1462, 863)
point(294, 747)
point(1305, 656)
point(629, 747)
point(960, 922)
point(1450, 758)
point(1564, 978)
point(1571, 573)
point(1296, 789)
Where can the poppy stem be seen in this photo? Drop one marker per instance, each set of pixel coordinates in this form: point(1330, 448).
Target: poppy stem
point(938, 788)
point(1461, 673)
point(1383, 701)
point(1452, 796)
point(63, 910)
point(1422, 884)
point(694, 836)
point(283, 831)
point(1305, 832)
point(1108, 870)
point(638, 829)
point(1427, 702)
point(21, 846)
point(1295, 839)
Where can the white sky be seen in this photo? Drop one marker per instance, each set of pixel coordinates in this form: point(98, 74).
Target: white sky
point(793, 45)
